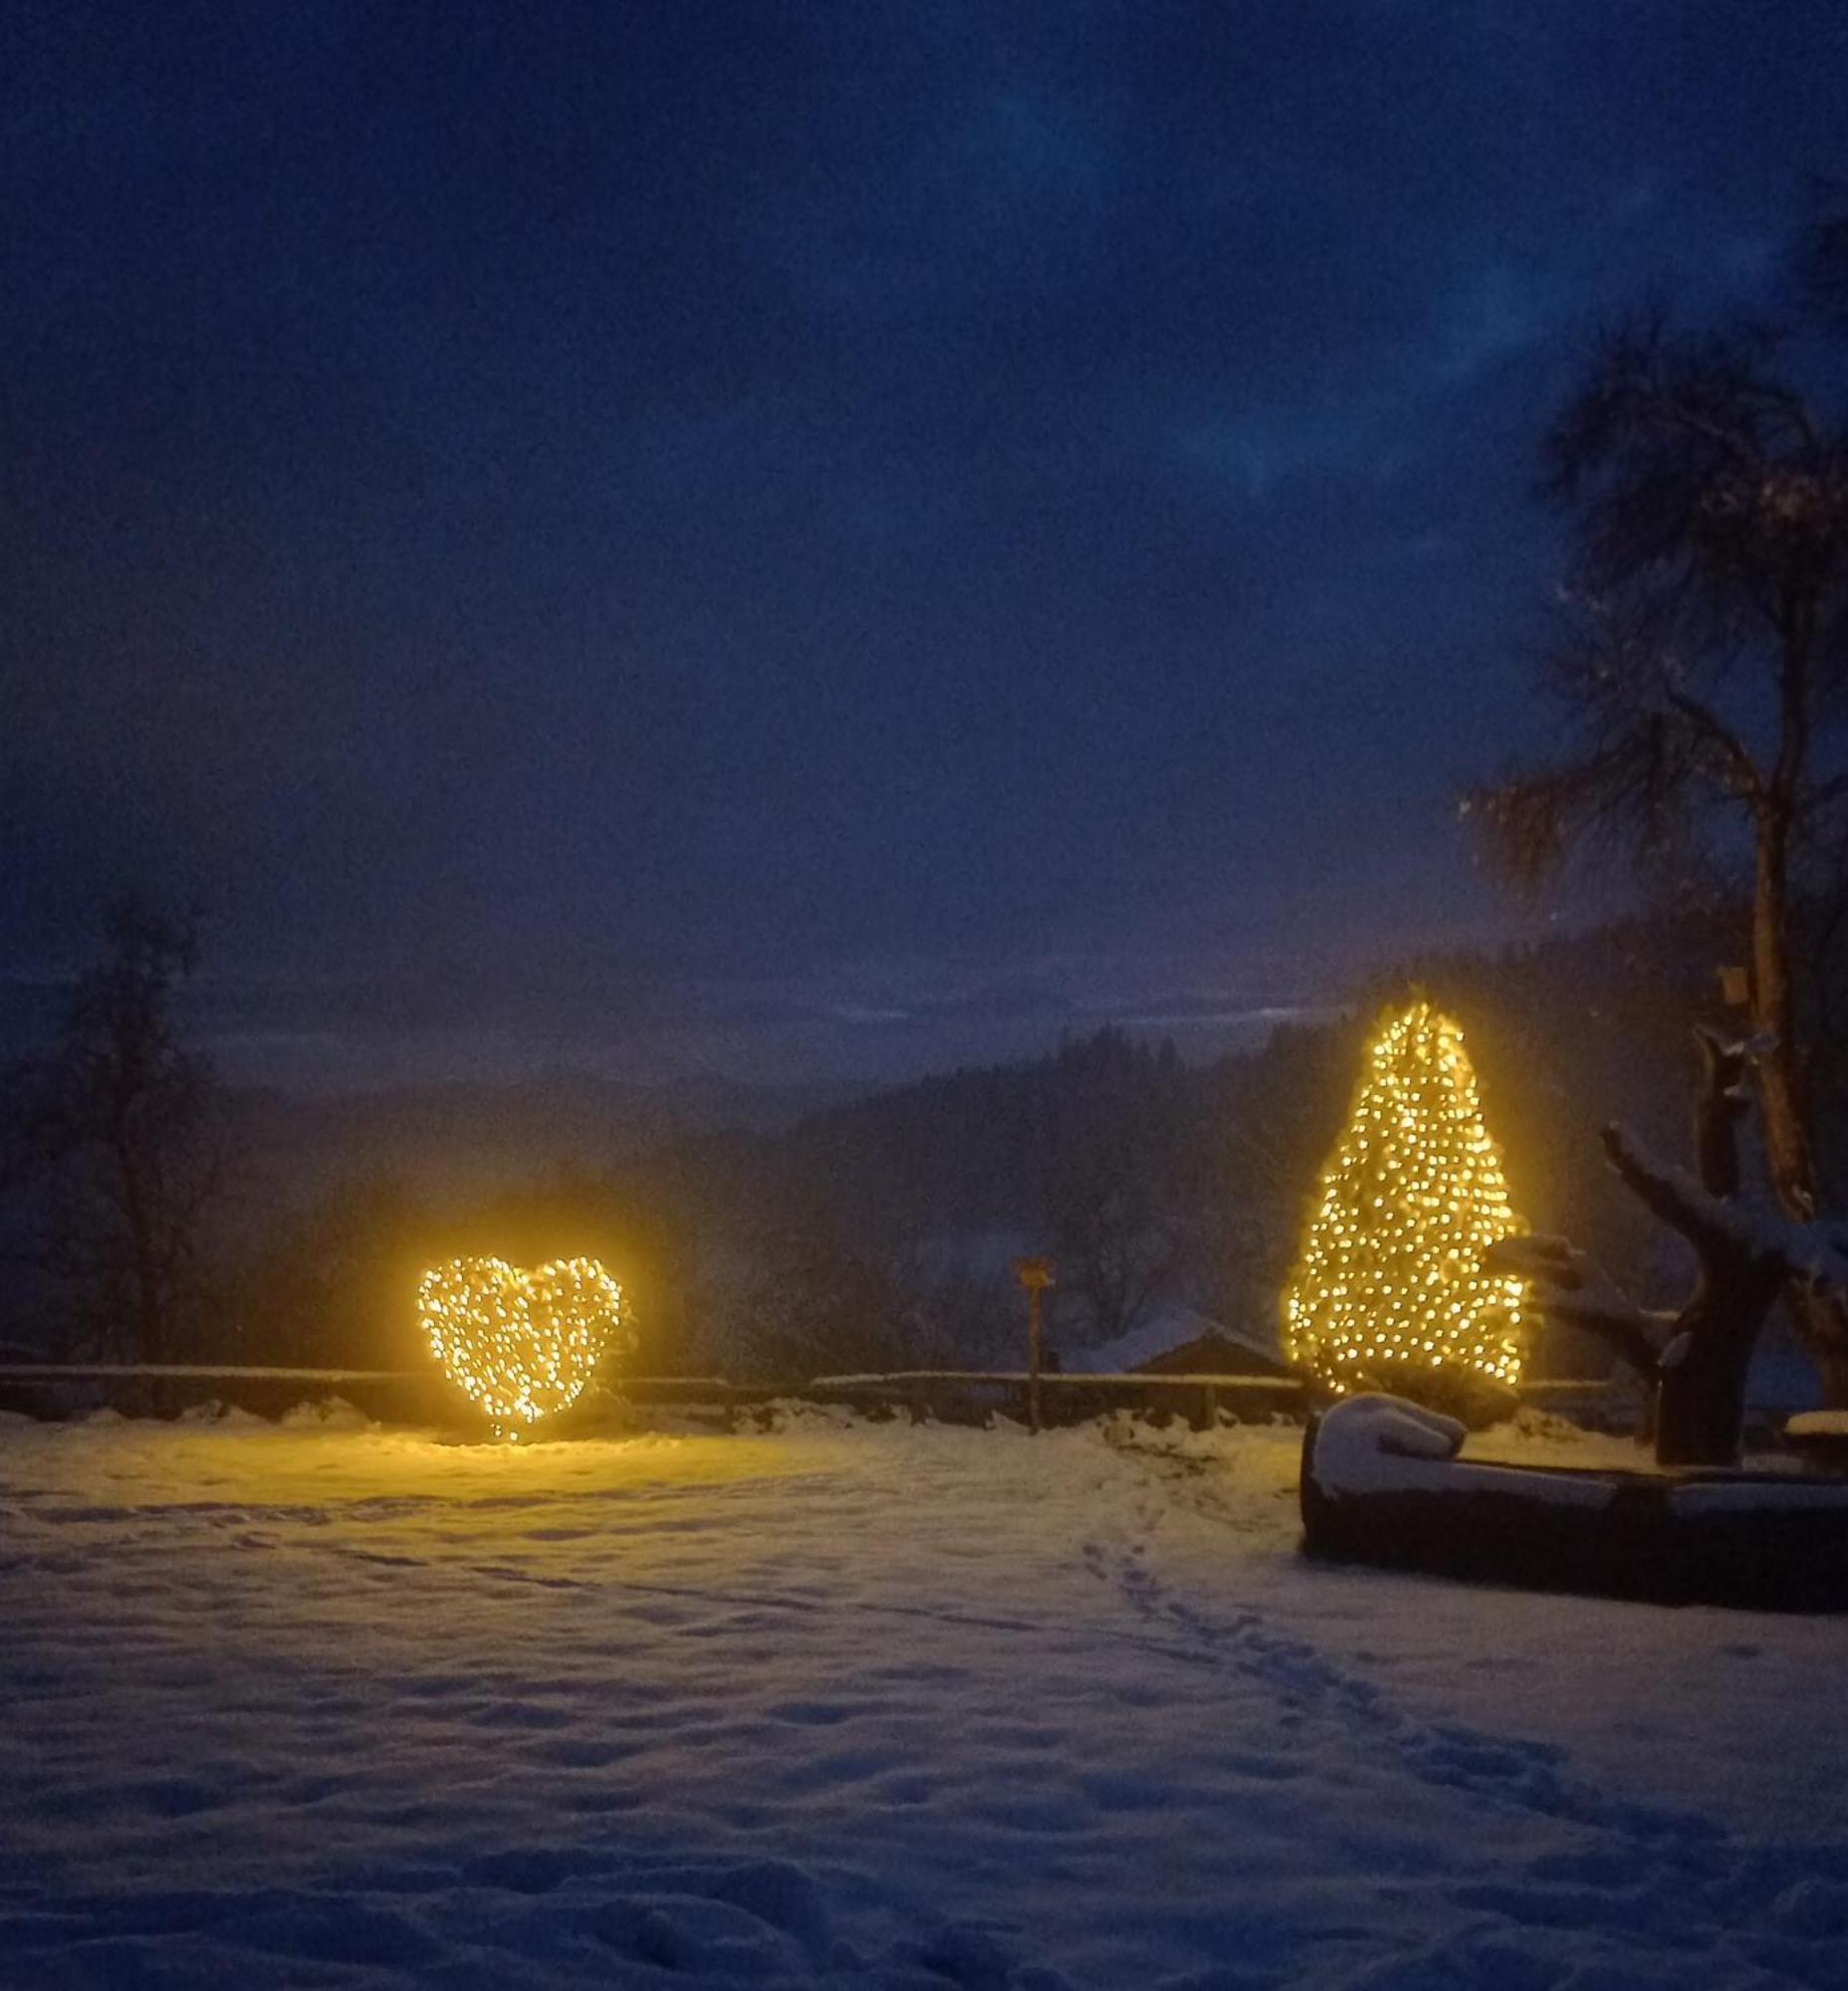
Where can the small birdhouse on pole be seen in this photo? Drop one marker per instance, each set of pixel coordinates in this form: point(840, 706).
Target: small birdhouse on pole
point(1035, 1275)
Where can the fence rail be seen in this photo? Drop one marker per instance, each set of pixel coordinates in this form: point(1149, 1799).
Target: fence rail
point(1061, 1379)
point(29, 1372)
point(953, 1394)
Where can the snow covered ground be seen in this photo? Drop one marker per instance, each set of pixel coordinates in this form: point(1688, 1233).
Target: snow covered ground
point(328, 1706)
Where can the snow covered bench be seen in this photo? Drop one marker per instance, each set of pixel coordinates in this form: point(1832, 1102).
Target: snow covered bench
point(1820, 1439)
point(1383, 1483)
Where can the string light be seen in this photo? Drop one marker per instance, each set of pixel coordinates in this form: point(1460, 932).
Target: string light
point(1389, 1287)
point(522, 1344)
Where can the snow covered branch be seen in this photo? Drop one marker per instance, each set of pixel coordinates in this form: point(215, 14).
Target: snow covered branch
point(1575, 1291)
point(1753, 1229)
point(1671, 1194)
point(1749, 1254)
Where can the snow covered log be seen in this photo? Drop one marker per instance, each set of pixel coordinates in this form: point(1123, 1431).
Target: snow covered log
point(1382, 1482)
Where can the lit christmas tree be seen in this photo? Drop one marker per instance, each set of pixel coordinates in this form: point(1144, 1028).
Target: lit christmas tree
point(1389, 1292)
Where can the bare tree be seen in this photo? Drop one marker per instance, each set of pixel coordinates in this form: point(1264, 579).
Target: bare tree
point(1115, 1205)
point(1695, 1361)
point(1706, 607)
point(801, 1303)
point(1116, 1235)
point(129, 1143)
point(324, 1286)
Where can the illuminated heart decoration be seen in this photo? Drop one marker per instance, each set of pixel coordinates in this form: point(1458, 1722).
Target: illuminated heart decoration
point(522, 1344)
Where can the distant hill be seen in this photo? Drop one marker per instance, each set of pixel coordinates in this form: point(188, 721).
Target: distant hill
point(1109, 1142)
point(455, 1141)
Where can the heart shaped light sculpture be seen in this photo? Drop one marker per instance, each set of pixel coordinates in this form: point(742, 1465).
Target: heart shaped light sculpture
point(522, 1344)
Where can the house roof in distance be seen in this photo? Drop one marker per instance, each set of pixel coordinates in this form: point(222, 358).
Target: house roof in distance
point(1173, 1326)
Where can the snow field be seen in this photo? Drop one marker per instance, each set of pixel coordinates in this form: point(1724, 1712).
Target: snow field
point(852, 1705)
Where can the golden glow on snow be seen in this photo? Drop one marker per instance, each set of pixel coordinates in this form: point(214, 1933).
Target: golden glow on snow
point(522, 1344)
point(1390, 1278)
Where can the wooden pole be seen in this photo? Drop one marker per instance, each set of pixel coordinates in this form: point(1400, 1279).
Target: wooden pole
point(1035, 1275)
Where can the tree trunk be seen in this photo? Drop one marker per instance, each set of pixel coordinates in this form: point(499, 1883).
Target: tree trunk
point(1787, 1146)
point(1698, 1375)
point(1701, 1378)
point(1701, 1370)
point(1701, 1392)
point(1829, 1350)
point(1789, 1153)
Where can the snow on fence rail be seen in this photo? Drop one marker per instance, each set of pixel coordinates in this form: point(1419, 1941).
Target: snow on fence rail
point(1201, 1396)
point(1053, 1379)
point(31, 1372)
point(947, 1392)
point(166, 1379)
point(951, 1395)
point(944, 1392)
point(394, 1395)
point(208, 1370)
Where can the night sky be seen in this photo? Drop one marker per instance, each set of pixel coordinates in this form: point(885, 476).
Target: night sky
point(790, 541)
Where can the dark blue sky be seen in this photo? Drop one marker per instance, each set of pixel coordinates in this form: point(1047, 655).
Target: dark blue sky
point(798, 538)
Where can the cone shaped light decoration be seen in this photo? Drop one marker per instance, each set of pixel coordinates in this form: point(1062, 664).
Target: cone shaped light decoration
point(1389, 1292)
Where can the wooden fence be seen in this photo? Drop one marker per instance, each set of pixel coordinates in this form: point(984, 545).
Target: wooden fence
point(951, 1396)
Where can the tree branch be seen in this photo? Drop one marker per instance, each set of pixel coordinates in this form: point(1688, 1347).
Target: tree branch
point(1717, 733)
point(1731, 1231)
point(1671, 1194)
point(1574, 1290)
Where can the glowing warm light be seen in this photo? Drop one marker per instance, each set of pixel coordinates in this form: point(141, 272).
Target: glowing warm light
point(522, 1344)
point(1389, 1287)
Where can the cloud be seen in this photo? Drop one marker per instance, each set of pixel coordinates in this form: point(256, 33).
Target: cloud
point(567, 512)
